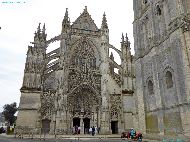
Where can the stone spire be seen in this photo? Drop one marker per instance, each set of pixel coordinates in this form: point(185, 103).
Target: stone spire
point(44, 28)
point(37, 33)
point(104, 22)
point(85, 9)
point(122, 38)
point(40, 36)
point(66, 21)
point(44, 35)
point(66, 17)
point(38, 29)
point(127, 41)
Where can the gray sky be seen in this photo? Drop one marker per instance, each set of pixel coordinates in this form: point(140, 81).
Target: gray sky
point(19, 20)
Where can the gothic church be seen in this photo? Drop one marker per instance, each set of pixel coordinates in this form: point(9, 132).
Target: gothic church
point(76, 84)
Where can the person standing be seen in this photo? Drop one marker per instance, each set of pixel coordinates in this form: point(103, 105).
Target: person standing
point(76, 130)
point(73, 130)
point(93, 131)
point(79, 130)
point(133, 133)
point(90, 130)
point(96, 130)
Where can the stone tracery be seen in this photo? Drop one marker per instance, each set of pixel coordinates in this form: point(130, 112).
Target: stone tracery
point(47, 106)
point(115, 106)
point(74, 78)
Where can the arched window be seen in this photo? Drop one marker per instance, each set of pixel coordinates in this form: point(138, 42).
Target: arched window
point(150, 88)
point(169, 81)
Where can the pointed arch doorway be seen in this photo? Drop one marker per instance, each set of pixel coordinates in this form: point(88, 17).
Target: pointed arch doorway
point(86, 125)
point(76, 122)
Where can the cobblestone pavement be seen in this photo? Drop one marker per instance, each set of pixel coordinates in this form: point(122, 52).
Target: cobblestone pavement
point(11, 139)
point(8, 139)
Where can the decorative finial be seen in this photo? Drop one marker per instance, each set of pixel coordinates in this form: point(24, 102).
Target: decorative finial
point(66, 21)
point(104, 22)
point(38, 30)
point(85, 8)
point(126, 38)
point(44, 28)
point(122, 37)
point(66, 14)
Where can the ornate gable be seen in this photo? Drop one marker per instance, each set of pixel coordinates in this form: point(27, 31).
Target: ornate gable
point(84, 21)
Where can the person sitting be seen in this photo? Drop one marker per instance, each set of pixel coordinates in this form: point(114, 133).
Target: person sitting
point(128, 135)
point(138, 136)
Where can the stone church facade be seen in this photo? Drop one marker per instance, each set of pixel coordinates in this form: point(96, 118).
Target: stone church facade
point(76, 84)
point(162, 53)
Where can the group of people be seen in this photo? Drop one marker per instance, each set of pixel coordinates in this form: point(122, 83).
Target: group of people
point(94, 130)
point(132, 134)
point(76, 130)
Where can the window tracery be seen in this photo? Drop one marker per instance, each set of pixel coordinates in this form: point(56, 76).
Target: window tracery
point(83, 56)
point(83, 81)
point(115, 106)
point(83, 63)
point(47, 105)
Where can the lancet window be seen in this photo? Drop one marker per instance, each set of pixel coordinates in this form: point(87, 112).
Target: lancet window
point(169, 81)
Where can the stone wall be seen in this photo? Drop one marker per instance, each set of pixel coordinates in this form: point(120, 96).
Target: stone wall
point(28, 109)
point(162, 64)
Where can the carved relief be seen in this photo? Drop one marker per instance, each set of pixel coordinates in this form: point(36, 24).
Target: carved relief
point(185, 24)
point(115, 100)
point(83, 67)
point(83, 81)
point(47, 105)
point(82, 101)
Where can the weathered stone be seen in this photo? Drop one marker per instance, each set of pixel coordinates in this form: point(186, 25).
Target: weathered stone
point(76, 83)
point(162, 57)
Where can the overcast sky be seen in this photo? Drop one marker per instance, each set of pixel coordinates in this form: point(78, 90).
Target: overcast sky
point(19, 20)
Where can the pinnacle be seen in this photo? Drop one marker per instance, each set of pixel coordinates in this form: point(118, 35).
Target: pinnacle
point(104, 22)
point(66, 14)
point(38, 29)
point(126, 38)
point(85, 8)
point(44, 27)
point(122, 37)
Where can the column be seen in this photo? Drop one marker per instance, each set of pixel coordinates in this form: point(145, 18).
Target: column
point(140, 96)
point(105, 122)
point(81, 126)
